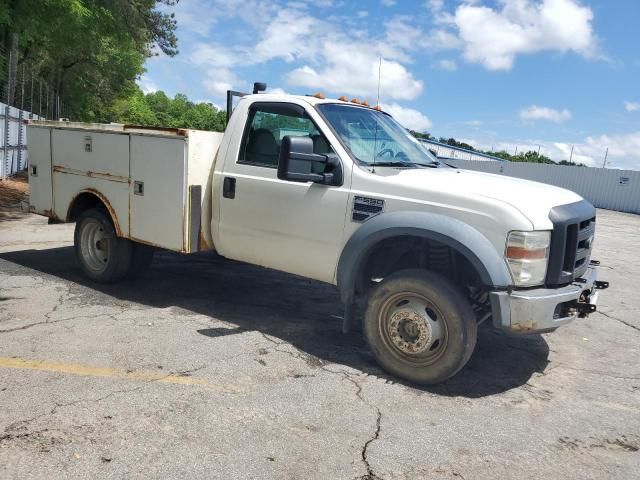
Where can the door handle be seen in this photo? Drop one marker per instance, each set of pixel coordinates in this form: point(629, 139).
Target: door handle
point(229, 187)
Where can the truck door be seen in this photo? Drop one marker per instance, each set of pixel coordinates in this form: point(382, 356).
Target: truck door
point(289, 226)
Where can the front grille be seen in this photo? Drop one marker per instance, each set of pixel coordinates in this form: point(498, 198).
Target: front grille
point(574, 227)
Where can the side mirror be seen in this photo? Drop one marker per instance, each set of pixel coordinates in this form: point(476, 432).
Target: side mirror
point(297, 160)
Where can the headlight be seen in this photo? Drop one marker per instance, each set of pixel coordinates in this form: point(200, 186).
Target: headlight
point(527, 255)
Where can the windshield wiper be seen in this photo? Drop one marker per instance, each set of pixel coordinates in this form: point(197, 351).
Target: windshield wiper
point(392, 164)
point(408, 164)
point(430, 164)
point(397, 164)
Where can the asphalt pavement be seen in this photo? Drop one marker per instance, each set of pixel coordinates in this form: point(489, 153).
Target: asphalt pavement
point(207, 368)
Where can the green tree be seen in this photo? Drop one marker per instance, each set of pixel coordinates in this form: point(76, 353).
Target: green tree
point(423, 135)
point(136, 111)
point(530, 156)
point(89, 52)
point(158, 110)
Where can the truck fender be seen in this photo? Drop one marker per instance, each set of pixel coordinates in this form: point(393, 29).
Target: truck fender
point(102, 198)
point(460, 236)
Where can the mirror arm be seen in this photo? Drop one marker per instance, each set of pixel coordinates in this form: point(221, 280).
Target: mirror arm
point(308, 157)
point(328, 179)
point(306, 177)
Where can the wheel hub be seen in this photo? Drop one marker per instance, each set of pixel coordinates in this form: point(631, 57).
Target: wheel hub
point(94, 245)
point(410, 332)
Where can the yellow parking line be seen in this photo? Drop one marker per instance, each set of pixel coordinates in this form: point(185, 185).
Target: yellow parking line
point(90, 371)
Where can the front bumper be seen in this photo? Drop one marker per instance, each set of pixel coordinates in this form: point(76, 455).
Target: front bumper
point(545, 309)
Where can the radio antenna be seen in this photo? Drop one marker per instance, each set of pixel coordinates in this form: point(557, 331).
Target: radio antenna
point(379, 75)
point(375, 138)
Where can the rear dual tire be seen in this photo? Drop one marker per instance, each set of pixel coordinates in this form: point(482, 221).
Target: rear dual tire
point(103, 256)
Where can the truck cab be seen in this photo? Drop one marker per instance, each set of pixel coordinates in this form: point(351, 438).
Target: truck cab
point(339, 192)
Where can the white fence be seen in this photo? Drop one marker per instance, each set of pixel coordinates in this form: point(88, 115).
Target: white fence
point(444, 151)
point(603, 187)
point(14, 155)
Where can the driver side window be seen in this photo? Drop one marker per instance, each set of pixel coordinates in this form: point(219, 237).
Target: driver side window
point(268, 124)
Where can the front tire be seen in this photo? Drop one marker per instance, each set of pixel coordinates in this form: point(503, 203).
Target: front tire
point(103, 256)
point(420, 327)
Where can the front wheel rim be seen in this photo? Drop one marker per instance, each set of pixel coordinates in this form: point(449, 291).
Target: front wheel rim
point(413, 329)
point(94, 245)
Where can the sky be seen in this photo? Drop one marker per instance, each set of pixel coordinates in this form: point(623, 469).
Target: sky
point(498, 74)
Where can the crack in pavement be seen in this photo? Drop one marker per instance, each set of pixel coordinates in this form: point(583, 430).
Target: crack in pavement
point(57, 405)
point(47, 317)
point(189, 372)
point(46, 322)
point(370, 475)
point(620, 320)
point(364, 453)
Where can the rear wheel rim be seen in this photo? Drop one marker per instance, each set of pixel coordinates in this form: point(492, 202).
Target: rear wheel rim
point(413, 329)
point(94, 245)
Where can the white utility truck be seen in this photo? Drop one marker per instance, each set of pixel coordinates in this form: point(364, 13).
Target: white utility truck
point(338, 192)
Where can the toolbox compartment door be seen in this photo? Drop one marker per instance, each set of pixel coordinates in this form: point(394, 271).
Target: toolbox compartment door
point(40, 186)
point(158, 196)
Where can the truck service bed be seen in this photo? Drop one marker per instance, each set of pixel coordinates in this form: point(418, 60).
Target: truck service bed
point(152, 180)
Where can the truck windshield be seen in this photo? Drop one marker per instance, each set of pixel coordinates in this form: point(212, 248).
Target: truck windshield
point(373, 137)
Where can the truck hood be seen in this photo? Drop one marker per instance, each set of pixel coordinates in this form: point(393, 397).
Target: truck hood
point(534, 200)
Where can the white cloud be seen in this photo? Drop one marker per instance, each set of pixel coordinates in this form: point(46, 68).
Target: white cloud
point(401, 34)
point(326, 55)
point(352, 68)
point(290, 35)
point(216, 55)
point(435, 5)
point(624, 149)
point(443, 40)
point(189, 16)
point(388, 3)
point(632, 106)
point(535, 112)
point(199, 16)
point(219, 80)
point(448, 65)
point(147, 85)
point(408, 117)
point(495, 37)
